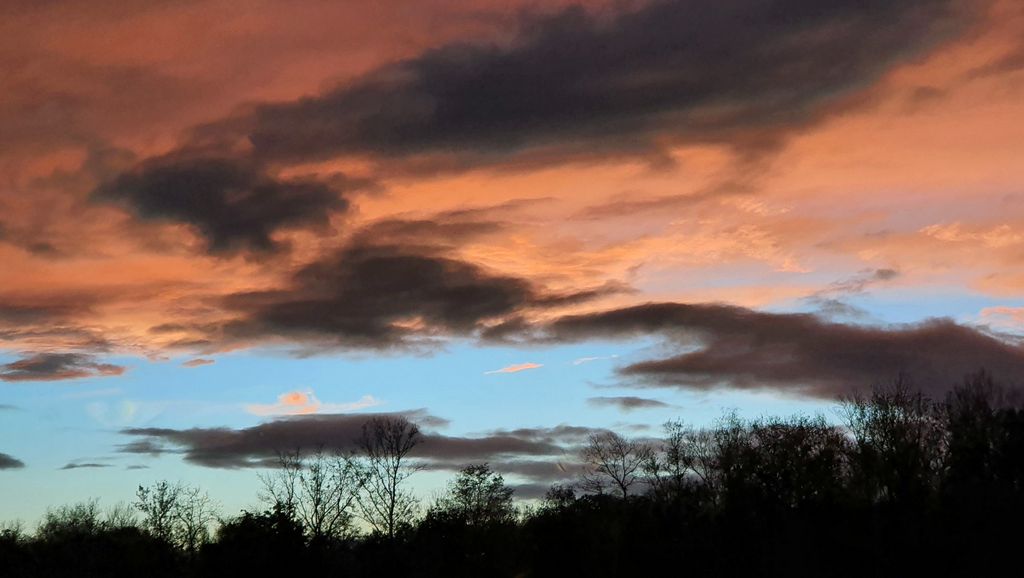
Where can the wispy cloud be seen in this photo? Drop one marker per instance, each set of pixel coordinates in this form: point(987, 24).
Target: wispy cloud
point(832, 301)
point(1002, 319)
point(627, 402)
point(583, 360)
point(536, 453)
point(198, 362)
point(56, 367)
point(119, 413)
point(306, 403)
point(90, 465)
point(515, 368)
point(106, 392)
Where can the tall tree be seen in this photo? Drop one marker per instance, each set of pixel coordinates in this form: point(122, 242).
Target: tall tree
point(900, 443)
point(158, 504)
point(319, 490)
point(384, 502)
point(685, 455)
point(178, 514)
point(613, 461)
point(195, 512)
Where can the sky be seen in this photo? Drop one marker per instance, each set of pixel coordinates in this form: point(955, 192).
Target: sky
point(226, 233)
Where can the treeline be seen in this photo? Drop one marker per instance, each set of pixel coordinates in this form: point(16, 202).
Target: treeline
point(903, 486)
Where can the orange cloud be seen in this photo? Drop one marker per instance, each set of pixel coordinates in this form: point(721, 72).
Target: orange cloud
point(515, 368)
point(305, 403)
point(1007, 319)
point(920, 175)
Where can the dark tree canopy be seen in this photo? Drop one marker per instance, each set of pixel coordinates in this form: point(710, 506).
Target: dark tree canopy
point(478, 496)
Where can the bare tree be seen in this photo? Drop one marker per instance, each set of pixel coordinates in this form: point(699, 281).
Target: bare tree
point(194, 513)
point(121, 515)
point(384, 446)
point(177, 513)
point(899, 442)
point(613, 461)
point(686, 454)
point(319, 490)
point(157, 504)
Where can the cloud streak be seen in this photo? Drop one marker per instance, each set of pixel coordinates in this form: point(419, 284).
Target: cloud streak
point(627, 402)
point(258, 446)
point(57, 367)
point(305, 403)
point(89, 465)
point(585, 360)
point(721, 346)
point(198, 362)
point(515, 368)
point(573, 81)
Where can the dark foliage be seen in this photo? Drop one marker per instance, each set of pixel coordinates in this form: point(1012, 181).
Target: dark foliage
point(75, 541)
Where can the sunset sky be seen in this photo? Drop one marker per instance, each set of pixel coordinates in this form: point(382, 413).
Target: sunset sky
point(228, 229)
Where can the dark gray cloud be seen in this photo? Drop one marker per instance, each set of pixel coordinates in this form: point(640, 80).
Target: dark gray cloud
point(548, 471)
point(627, 402)
point(560, 434)
point(725, 346)
point(258, 446)
point(90, 465)
point(233, 203)
point(8, 407)
point(573, 82)
point(56, 367)
point(393, 294)
point(9, 463)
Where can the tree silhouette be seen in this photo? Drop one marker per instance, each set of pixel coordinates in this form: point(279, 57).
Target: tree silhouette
point(270, 543)
point(906, 486)
point(478, 496)
point(686, 457)
point(158, 504)
point(384, 502)
point(81, 519)
point(177, 513)
point(319, 490)
point(900, 443)
point(612, 461)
